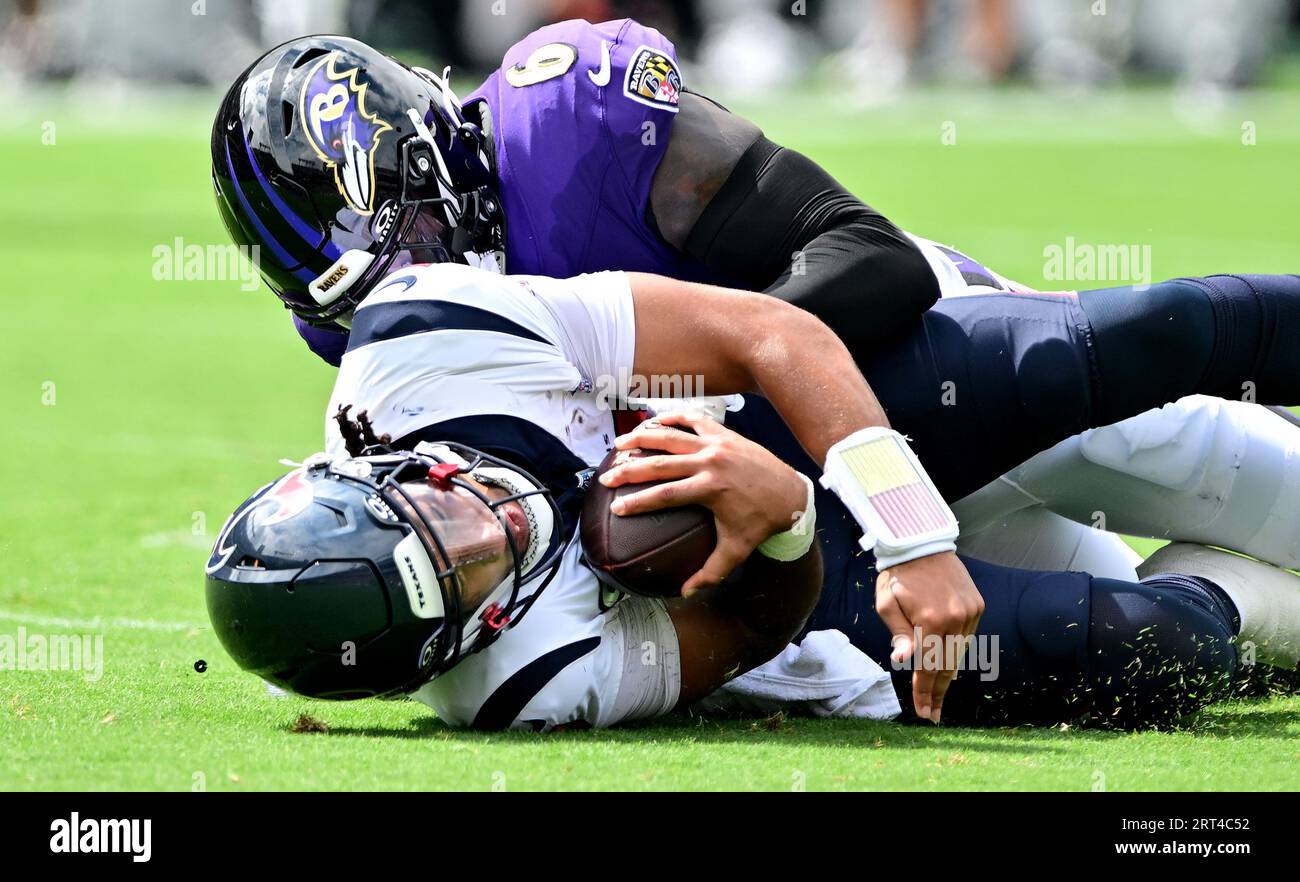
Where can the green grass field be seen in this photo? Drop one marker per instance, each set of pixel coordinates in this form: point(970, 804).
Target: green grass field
point(135, 413)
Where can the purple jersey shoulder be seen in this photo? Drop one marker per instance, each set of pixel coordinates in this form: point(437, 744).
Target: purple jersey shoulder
point(582, 115)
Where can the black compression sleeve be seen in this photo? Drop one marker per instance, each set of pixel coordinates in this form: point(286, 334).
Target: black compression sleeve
point(781, 224)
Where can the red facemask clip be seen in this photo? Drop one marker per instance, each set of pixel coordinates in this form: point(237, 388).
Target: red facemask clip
point(495, 617)
point(441, 474)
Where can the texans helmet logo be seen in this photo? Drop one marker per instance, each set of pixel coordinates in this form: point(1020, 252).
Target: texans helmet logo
point(341, 131)
point(275, 503)
point(289, 497)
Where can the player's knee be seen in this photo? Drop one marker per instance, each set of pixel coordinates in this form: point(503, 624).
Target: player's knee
point(1264, 363)
point(1052, 382)
point(1052, 617)
point(1255, 318)
point(1156, 651)
point(1036, 646)
point(1180, 447)
point(1180, 321)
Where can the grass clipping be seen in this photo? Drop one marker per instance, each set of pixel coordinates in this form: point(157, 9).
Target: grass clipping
point(307, 723)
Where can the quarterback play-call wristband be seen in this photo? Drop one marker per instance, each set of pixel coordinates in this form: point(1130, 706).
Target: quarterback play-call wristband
point(902, 514)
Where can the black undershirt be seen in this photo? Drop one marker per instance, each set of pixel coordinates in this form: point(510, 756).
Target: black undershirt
point(781, 224)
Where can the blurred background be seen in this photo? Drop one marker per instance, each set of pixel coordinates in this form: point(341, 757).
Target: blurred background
point(871, 50)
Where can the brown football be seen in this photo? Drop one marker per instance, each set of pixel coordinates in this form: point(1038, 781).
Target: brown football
point(651, 554)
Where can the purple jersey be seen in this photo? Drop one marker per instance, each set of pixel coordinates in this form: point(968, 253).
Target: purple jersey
point(581, 117)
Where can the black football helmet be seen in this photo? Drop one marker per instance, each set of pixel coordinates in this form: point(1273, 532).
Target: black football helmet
point(367, 577)
point(340, 164)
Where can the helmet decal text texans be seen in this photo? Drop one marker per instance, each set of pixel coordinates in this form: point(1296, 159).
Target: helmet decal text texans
point(341, 131)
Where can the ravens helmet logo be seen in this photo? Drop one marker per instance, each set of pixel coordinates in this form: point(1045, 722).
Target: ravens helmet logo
point(341, 131)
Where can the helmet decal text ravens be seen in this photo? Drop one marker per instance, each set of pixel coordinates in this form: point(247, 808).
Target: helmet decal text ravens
point(341, 131)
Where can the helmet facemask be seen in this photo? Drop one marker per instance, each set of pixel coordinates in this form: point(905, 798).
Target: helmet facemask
point(367, 576)
point(432, 220)
point(485, 530)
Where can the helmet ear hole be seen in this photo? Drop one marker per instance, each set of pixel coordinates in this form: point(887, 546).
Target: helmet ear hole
point(286, 112)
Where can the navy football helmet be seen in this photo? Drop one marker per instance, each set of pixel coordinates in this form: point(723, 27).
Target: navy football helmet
point(368, 576)
point(340, 164)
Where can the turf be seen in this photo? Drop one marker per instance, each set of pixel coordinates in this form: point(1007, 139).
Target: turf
point(138, 412)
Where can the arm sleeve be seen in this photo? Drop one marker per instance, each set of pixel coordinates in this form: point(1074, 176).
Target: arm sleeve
point(329, 345)
point(781, 224)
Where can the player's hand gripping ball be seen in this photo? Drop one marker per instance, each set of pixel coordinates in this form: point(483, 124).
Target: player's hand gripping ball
point(651, 554)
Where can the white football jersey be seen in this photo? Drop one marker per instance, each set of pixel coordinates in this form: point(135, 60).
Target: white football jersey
point(573, 659)
point(445, 343)
point(960, 276)
point(437, 342)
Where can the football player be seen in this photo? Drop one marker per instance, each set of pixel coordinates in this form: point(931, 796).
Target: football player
point(584, 152)
point(343, 165)
point(450, 573)
point(587, 151)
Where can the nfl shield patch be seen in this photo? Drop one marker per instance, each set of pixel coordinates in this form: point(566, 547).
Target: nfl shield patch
point(653, 79)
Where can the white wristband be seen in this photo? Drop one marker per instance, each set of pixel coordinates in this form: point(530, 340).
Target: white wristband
point(902, 514)
point(794, 542)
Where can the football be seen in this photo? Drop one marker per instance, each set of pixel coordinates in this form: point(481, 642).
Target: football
point(650, 554)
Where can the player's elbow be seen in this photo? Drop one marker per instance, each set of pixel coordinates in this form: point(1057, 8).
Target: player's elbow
point(782, 335)
point(884, 263)
point(865, 278)
point(911, 275)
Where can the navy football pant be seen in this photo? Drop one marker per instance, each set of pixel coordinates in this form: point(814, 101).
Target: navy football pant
point(986, 381)
point(1059, 647)
point(1067, 645)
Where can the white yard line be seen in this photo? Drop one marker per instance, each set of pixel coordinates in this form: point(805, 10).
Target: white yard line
point(97, 623)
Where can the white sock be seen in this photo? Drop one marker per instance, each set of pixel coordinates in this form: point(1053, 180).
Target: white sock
point(1267, 598)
